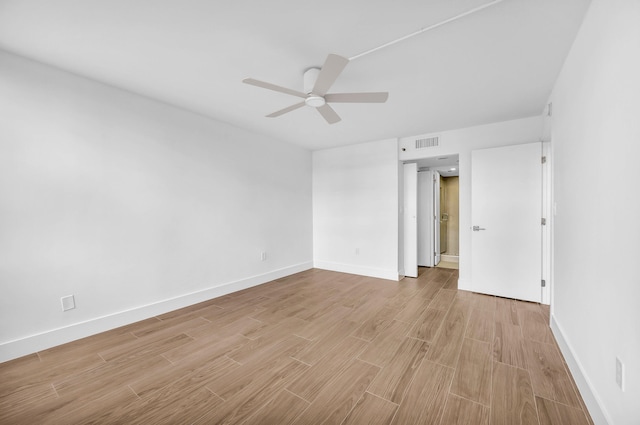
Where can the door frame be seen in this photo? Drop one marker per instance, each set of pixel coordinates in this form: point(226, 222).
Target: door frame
point(410, 222)
point(548, 200)
point(436, 217)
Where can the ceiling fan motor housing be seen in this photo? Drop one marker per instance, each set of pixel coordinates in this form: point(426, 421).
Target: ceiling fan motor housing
point(309, 79)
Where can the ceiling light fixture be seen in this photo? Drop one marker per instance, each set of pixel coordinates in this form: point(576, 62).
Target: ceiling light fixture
point(315, 101)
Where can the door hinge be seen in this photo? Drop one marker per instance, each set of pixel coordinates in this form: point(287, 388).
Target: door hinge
point(544, 221)
point(544, 159)
point(544, 283)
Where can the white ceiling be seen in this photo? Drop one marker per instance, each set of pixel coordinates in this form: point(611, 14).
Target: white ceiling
point(495, 65)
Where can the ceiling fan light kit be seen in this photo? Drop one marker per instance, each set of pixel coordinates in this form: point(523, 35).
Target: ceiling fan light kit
point(314, 101)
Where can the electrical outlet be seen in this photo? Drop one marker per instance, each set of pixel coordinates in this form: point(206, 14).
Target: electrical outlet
point(263, 256)
point(357, 251)
point(620, 373)
point(68, 303)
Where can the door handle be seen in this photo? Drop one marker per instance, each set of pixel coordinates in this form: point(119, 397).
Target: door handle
point(478, 228)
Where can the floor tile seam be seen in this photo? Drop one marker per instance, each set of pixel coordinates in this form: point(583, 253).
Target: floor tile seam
point(381, 398)
point(389, 364)
point(559, 402)
point(470, 399)
point(135, 349)
point(575, 388)
point(301, 361)
point(422, 361)
point(440, 330)
point(510, 365)
point(235, 361)
point(166, 358)
point(354, 406)
point(370, 364)
point(480, 340)
point(155, 391)
point(361, 339)
point(552, 396)
point(493, 367)
point(361, 397)
point(446, 401)
point(297, 396)
point(420, 339)
point(214, 393)
point(536, 340)
point(491, 360)
point(533, 394)
point(53, 387)
point(331, 381)
point(75, 409)
point(306, 339)
point(134, 392)
point(463, 333)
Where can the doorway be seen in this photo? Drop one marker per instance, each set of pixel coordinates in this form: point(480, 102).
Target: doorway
point(449, 222)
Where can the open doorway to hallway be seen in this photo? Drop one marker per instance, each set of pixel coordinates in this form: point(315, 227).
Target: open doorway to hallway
point(449, 222)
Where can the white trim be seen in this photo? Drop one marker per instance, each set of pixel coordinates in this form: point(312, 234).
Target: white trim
point(450, 258)
point(587, 390)
point(20, 347)
point(388, 274)
point(547, 230)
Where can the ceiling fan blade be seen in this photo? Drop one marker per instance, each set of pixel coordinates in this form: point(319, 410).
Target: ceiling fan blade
point(273, 87)
point(328, 114)
point(373, 97)
point(330, 71)
point(285, 110)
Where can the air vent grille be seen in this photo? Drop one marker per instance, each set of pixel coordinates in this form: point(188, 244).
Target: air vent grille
point(427, 142)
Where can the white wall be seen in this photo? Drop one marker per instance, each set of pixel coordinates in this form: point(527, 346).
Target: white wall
point(462, 142)
point(355, 206)
point(133, 206)
point(596, 142)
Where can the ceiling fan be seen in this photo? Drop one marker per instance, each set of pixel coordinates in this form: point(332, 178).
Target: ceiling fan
point(317, 83)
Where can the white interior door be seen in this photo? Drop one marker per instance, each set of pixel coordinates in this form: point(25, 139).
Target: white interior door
point(436, 217)
point(425, 218)
point(506, 205)
point(410, 209)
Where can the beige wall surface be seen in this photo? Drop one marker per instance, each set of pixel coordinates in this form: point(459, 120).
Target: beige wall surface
point(452, 207)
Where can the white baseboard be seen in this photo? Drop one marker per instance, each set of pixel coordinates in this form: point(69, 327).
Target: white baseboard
point(450, 258)
point(359, 270)
point(34, 343)
point(587, 391)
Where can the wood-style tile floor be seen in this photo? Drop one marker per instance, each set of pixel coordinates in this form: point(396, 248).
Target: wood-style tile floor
point(317, 347)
